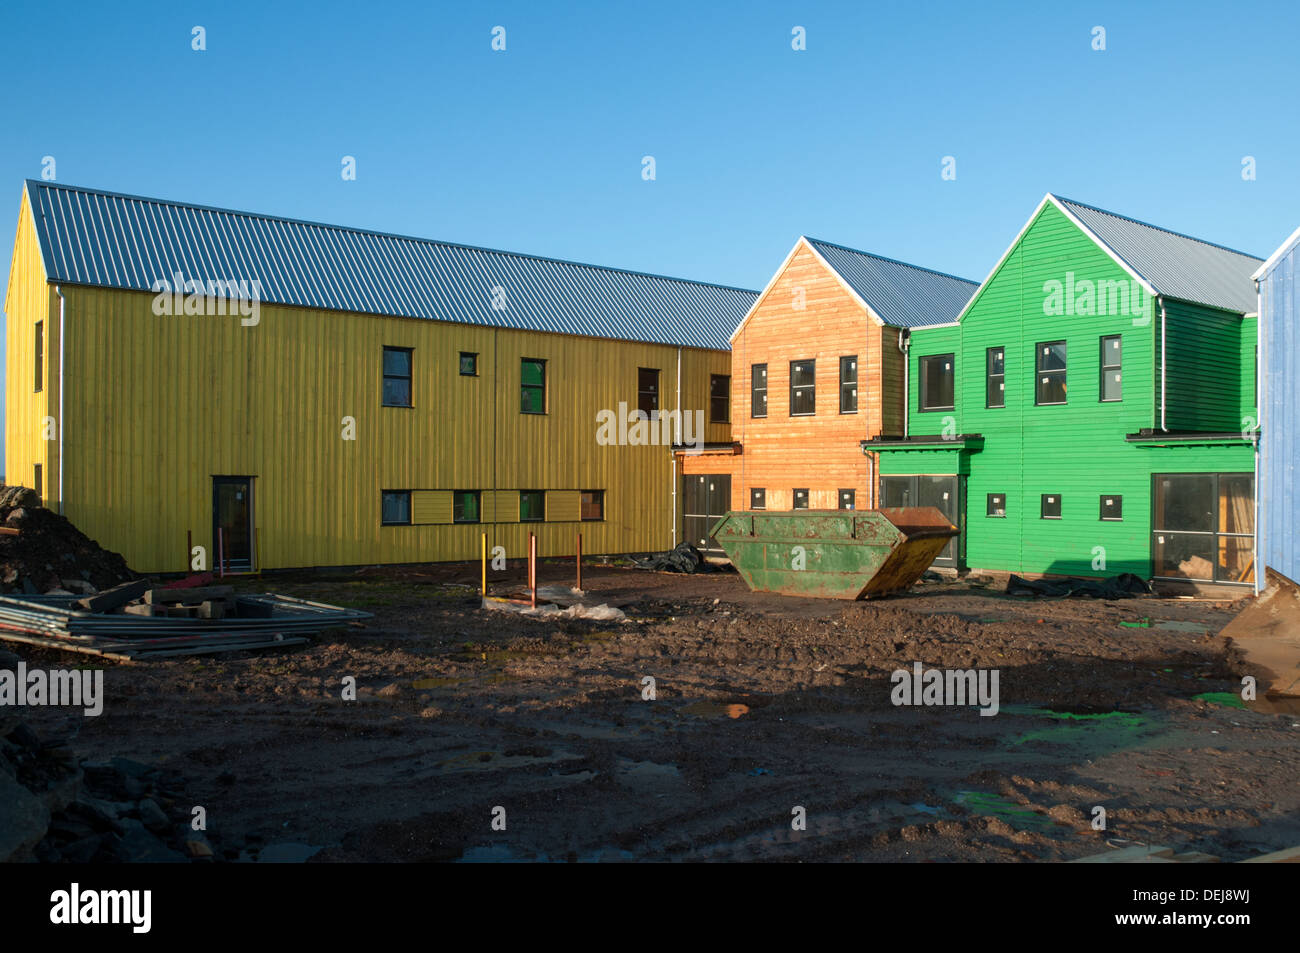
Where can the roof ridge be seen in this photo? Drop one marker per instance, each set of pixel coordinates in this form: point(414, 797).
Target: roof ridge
point(41, 183)
point(892, 261)
point(1158, 228)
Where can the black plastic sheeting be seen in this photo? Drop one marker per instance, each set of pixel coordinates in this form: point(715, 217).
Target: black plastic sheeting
point(685, 558)
point(1124, 586)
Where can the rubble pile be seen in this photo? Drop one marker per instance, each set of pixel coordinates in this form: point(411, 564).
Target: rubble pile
point(43, 552)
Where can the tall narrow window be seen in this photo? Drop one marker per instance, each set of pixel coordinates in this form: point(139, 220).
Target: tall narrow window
point(937, 382)
point(800, 499)
point(40, 356)
point(1050, 381)
point(532, 386)
point(397, 377)
point(849, 384)
point(719, 398)
point(757, 498)
point(758, 390)
point(995, 389)
point(1112, 386)
point(647, 391)
point(803, 388)
point(38, 483)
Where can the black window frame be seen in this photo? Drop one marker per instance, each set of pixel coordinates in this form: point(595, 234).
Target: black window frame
point(853, 499)
point(38, 349)
point(851, 395)
point(1040, 373)
point(811, 389)
point(724, 397)
point(794, 497)
point(1104, 368)
point(989, 508)
point(1119, 507)
point(1042, 507)
point(473, 356)
point(991, 378)
point(758, 493)
point(525, 389)
point(1216, 532)
point(923, 372)
point(599, 496)
point(647, 395)
point(532, 519)
point(478, 505)
point(755, 390)
point(396, 493)
point(409, 376)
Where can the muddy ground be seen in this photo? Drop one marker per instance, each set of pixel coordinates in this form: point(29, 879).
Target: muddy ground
point(763, 704)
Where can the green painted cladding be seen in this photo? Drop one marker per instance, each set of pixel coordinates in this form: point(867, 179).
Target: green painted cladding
point(1211, 357)
point(1077, 449)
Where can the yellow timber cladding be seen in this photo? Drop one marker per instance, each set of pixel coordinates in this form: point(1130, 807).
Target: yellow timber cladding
point(157, 406)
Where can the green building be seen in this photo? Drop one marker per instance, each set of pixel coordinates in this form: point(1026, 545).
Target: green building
point(1092, 409)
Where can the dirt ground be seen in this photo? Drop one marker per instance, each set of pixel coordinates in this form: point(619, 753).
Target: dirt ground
point(763, 704)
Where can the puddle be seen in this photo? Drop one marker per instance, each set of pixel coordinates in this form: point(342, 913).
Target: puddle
point(715, 709)
point(991, 805)
point(1090, 726)
point(1227, 699)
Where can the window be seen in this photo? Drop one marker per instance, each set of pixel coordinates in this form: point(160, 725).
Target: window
point(719, 398)
point(397, 377)
point(40, 356)
point(468, 364)
point(1112, 507)
point(38, 484)
point(997, 505)
point(1051, 509)
point(848, 499)
point(1111, 383)
point(758, 498)
point(1204, 526)
point(937, 382)
point(647, 391)
point(758, 390)
point(465, 506)
point(592, 506)
point(395, 508)
point(849, 384)
point(1050, 381)
point(800, 499)
point(803, 388)
point(995, 381)
point(532, 506)
point(532, 386)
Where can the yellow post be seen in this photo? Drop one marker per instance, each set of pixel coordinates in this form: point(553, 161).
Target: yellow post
point(485, 565)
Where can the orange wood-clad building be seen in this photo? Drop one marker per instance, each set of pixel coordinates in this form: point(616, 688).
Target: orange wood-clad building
point(817, 366)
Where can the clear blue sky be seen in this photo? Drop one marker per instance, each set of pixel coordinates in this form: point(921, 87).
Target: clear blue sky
point(538, 149)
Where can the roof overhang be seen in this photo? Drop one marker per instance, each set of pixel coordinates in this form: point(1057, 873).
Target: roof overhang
point(972, 442)
point(1157, 438)
point(1282, 251)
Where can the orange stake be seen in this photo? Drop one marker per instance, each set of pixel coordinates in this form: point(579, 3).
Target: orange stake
point(579, 586)
point(532, 569)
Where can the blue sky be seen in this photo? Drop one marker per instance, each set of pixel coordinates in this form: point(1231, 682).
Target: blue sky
point(538, 148)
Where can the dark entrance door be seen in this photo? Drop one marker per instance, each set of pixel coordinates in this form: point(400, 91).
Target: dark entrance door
point(232, 523)
point(943, 491)
point(706, 499)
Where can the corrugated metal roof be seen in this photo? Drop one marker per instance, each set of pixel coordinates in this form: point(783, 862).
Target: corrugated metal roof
point(902, 295)
point(105, 239)
point(1178, 266)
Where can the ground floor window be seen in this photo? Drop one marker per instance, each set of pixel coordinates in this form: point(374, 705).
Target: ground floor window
point(396, 508)
point(996, 505)
point(465, 506)
point(593, 506)
point(758, 498)
point(1051, 506)
point(848, 499)
point(1203, 526)
point(532, 506)
point(800, 499)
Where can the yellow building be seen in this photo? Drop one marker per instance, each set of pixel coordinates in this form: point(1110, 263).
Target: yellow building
point(289, 394)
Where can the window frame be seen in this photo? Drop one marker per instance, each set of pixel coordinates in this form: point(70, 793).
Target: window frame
point(761, 493)
point(989, 378)
point(754, 390)
point(526, 388)
point(478, 505)
point(409, 514)
point(847, 383)
point(725, 397)
point(923, 377)
point(1042, 507)
point(1039, 374)
point(532, 519)
point(794, 497)
point(599, 495)
point(812, 388)
point(1104, 368)
point(988, 506)
point(409, 376)
point(1101, 507)
point(460, 366)
point(853, 499)
point(653, 393)
point(38, 351)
